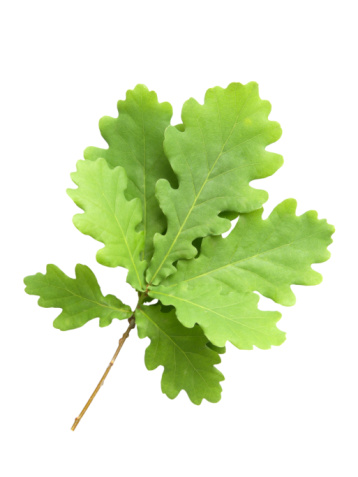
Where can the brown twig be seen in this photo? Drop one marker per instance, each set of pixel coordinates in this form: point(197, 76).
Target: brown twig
point(120, 344)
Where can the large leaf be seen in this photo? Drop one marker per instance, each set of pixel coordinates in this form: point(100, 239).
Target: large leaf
point(268, 256)
point(109, 217)
point(217, 152)
point(135, 140)
point(183, 352)
point(80, 298)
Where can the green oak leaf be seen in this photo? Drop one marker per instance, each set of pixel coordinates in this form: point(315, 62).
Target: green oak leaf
point(109, 217)
point(216, 289)
point(183, 352)
point(216, 153)
point(80, 298)
point(135, 140)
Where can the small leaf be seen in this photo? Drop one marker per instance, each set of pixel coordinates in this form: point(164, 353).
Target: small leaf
point(135, 140)
point(268, 256)
point(216, 153)
point(188, 362)
point(80, 298)
point(109, 217)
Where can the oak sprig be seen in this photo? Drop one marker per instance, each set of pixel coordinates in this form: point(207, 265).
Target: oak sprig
point(159, 199)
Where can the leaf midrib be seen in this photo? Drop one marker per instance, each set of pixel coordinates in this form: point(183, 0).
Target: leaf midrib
point(144, 176)
point(251, 257)
point(87, 299)
point(125, 240)
point(215, 312)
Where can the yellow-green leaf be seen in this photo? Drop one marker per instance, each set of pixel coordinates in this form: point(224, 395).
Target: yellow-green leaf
point(109, 217)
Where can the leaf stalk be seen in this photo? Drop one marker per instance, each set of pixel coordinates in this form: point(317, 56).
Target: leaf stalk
point(99, 385)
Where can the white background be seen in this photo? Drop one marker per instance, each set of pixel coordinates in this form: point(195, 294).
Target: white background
point(290, 411)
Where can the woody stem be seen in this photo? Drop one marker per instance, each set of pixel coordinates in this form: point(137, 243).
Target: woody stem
point(119, 347)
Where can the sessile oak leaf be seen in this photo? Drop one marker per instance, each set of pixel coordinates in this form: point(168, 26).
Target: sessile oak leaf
point(80, 298)
point(109, 217)
point(184, 353)
point(135, 142)
point(220, 150)
point(159, 198)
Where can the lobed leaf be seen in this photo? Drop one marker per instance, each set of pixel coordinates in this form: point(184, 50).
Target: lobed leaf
point(135, 142)
point(216, 289)
point(217, 152)
point(109, 217)
point(80, 298)
point(183, 352)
